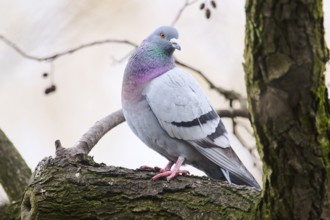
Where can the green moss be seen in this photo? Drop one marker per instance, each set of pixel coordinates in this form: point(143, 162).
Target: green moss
point(10, 211)
point(323, 127)
point(322, 114)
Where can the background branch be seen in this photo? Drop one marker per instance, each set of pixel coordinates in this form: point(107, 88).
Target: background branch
point(53, 57)
point(83, 46)
point(182, 9)
point(233, 113)
point(14, 172)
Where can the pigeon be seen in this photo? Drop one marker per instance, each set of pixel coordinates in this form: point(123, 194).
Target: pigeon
point(167, 109)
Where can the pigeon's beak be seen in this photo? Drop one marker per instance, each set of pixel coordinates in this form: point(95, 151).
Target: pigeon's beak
point(175, 43)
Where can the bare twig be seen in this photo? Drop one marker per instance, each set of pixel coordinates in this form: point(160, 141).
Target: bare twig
point(184, 7)
point(66, 52)
point(252, 149)
point(92, 136)
point(122, 59)
point(233, 113)
point(248, 129)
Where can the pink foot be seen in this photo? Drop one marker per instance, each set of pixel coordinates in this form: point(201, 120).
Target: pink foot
point(145, 167)
point(170, 174)
point(158, 169)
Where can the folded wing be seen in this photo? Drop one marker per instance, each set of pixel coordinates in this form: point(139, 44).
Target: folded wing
point(185, 113)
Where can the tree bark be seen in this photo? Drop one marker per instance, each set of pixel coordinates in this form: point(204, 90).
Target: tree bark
point(285, 59)
point(14, 172)
point(78, 188)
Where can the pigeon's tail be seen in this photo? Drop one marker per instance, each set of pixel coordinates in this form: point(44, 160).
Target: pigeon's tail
point(248, 179)
point(225, 165)
point(219, 173)
point(239, 181)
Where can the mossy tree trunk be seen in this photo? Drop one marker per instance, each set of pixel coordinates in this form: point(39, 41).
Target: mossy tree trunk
point(285, 59)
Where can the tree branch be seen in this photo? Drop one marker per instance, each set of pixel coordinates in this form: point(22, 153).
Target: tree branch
point(14, 172)
point(184, 7)
point(233, 113)
point(55, 56)
point(78, 188)
point(92, 136)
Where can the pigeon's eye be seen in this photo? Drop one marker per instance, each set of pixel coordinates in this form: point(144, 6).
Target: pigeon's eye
point(162, 35)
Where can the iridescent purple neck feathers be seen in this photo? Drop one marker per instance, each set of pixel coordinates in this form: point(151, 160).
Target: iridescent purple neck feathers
point(150, 60)
point(145, 64)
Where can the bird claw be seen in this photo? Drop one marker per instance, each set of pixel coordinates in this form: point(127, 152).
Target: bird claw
point(167, 172)
point(145, 167)
point(149, 168)
point(170, 174)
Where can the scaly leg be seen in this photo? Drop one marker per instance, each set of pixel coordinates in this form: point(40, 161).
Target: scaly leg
point(167, 168)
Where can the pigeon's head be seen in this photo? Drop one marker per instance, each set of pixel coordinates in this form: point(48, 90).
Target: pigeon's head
point(165, 38)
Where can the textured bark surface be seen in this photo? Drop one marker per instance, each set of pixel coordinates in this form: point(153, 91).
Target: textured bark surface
point(78, 188)
point(14, 172)
point(285, 62)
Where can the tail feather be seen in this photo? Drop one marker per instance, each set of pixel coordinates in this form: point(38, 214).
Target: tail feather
point(239, 181)
point(225, 175)
point(229, 166)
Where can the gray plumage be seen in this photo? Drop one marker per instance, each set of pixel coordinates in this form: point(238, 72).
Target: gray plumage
point(167, 109)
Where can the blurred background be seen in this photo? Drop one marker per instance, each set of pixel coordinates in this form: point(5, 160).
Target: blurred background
point(88, 81)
